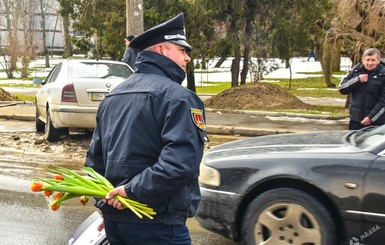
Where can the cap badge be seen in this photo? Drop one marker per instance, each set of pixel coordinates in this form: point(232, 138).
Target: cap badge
point(174, 37)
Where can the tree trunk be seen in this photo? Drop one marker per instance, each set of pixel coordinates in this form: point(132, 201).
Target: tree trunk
point(45, 50)
point(326, 64)
point(336, 57)
point(191, 77)
point(245, 67)
point(220, 62)
point(336, 62)
point(27, 50)
point(53, 35)
point(246, 54)
point(288, 65)
point(66, 37)
point(13, 43)
point(235, 66)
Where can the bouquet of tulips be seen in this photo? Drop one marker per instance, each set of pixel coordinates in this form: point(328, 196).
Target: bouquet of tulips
point(67, 184)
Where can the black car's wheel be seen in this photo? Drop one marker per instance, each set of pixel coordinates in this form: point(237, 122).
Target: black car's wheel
point(287, 216)
point(39, 125)
point(52, 134)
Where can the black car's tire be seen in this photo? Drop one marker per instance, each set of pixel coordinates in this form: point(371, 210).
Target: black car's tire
point(52, 134)
point(39, 125)
point(287, 216)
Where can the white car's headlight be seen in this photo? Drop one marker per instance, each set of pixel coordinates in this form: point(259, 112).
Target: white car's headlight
point(209, 175)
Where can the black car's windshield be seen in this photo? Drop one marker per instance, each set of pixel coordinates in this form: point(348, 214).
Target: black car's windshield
point(369, 137)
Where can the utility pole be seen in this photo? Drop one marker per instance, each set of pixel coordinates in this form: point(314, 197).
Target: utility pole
point(134, 17)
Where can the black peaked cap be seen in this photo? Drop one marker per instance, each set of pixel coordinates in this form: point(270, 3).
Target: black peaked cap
point(170, 31)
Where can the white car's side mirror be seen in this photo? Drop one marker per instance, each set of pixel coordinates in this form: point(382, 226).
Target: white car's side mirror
point(37, 80)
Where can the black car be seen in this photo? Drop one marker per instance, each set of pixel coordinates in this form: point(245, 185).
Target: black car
point(320, 188)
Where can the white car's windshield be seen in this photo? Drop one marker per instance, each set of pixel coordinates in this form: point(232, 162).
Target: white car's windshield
point(98, 70)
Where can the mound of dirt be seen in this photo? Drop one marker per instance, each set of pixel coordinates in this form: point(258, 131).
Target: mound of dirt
point(5, 96)
point(256, 96)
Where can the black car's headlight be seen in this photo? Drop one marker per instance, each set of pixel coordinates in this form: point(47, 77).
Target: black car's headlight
point(209, 176)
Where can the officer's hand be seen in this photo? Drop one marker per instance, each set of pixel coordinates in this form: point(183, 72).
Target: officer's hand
point(114, 202)
point(366, 121)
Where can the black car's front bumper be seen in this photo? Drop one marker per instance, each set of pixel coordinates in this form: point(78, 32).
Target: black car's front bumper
point(217, 212)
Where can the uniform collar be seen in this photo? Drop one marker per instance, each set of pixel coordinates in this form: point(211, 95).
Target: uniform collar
point(154, 63)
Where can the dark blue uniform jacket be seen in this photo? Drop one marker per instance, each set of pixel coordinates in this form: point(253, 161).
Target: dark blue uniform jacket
point(366, 99)
point(147, 139)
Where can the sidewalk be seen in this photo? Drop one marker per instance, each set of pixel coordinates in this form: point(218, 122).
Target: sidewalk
point(17, 110)
point(222, 122)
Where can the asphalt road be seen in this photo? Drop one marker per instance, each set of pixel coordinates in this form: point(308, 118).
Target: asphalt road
point(25, 216)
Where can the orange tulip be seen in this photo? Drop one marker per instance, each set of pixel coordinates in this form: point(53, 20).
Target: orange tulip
point(48, 193)
point(84, 200)
point(58, 195)
point(55, 207)
point(58, 177)
point(36, 186)
point(67, 184)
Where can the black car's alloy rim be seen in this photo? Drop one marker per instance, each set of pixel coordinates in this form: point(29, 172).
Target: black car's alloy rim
point(287, 223)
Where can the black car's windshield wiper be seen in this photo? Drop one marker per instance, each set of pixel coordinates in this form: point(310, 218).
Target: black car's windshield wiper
point(360, 135)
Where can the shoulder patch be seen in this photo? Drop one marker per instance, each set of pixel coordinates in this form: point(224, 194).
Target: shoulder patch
point(197, 117)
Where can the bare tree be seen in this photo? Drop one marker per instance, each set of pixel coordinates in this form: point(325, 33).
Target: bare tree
point(19, 16)
point(43, 8)
point(27, 51)
point(10, 57)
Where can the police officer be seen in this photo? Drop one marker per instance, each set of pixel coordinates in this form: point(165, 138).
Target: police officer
point(149, 140)
point(365, 85)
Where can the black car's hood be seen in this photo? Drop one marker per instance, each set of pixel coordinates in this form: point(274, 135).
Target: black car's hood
point(316, 142)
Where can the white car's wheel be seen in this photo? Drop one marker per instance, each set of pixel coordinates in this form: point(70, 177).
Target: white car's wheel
point(52, 134)
point(39, 125)
point(287, 216)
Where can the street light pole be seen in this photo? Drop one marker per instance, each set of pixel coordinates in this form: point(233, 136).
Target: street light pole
point(134, 17)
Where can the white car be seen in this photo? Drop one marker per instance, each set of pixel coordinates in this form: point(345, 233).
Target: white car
point(71, 93)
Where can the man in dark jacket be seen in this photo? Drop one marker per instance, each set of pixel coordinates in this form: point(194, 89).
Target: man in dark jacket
point(129, 56)
point(365, 85)
point(149, 141)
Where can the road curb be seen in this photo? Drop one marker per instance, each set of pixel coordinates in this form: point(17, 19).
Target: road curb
point(22, 110)
point(19, 117)
point(243, 131)
point(12, 103)
point(279, 114)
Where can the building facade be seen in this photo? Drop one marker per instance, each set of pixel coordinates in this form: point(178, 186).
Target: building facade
point(25, 16)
